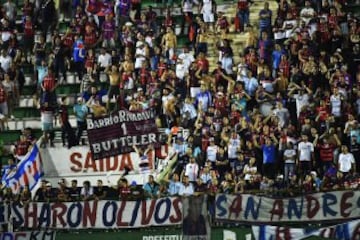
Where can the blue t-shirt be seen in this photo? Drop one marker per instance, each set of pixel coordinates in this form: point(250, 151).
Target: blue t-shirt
point(79, 48)
point(80, 112)
point(268, 153)
point(276, 56)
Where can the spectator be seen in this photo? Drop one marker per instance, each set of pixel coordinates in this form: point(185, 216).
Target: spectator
point(191, 170)
point(269, 155)
point(3, 107)
point(306, 155)
point(74, 191)
point(187, 188)
point(151, 188)
point(346, 161)
point(80, 110)
point(289, 161)
point(67, 133)
point(87, 191)
point(5, 60)
point(78, 55)
point(62, 193)
point(265, 15)
point(100, 191)
point(174, 185)
point(25, 196)
point(22, 147)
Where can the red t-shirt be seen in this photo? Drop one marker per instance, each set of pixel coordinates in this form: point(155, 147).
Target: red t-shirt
point(49, 82)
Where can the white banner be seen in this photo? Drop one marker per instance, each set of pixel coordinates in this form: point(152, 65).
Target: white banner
point(68, 163)
point(99, 214)
point(336, 205)
point(345, 231)
point(34, 235)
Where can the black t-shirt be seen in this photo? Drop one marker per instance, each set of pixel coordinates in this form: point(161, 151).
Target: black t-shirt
point(101, 191)
point(74, 194)
point(40, 195)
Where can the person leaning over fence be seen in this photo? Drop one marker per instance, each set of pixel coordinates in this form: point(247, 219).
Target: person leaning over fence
point(151, 188)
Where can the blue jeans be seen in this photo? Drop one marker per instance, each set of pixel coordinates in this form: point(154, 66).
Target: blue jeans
point(243, 15)
point(289, 168)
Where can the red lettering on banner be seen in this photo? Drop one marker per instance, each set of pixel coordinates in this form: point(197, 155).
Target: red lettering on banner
point(89, 213)
point(178, 209)
point(19, 235)
point(282, 233)
point(312, 209)
point(58, 215)
point(278, 209)
point(327, 232)
point(31, 214)
point(126, 162)
point(75, 158)
point(345, 205)
point(90, 163)
point(356, 233)
point(119, 221)
point(236, 206)
point(108, 163)
point(145, 218)
point(117, 163)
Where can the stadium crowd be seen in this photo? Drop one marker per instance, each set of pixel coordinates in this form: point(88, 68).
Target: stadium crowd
point(285, 117)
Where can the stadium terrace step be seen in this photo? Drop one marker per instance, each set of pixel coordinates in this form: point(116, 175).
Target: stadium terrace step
point(10, 136)
point(31, 112)
point(65, 89)
point(34, 123)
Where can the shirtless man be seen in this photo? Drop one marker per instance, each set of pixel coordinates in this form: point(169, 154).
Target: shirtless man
point(169, 42)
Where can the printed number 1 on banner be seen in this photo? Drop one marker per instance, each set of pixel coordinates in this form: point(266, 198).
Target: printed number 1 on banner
point(123, 126)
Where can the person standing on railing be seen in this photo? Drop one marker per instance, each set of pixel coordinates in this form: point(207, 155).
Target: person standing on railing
point(81, 111)
point(67, 131)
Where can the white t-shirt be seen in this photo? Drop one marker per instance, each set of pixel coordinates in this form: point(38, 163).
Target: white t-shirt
point(181, 70)
point(289, 153)
point(305, 149)
point(192, 170)
point(211, 152)
point(87, 193)
point(187, 58)
point(305, 13)
point(188, 6)
point(253, 169)
point(345, 162)
point(47, 116)
point(186, 190)
point(232, 147)
point(139, 60)
point(301, 101)
point(335, 105)
point(5, 62)
point(207, 6)
point(104, 60)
